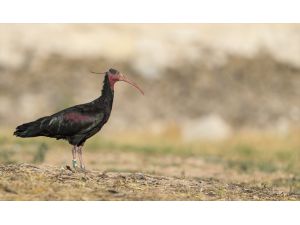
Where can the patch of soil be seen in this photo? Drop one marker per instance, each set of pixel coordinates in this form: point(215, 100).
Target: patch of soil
point(29, 182)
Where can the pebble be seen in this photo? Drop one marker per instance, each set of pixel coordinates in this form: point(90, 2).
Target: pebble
point(140, 176)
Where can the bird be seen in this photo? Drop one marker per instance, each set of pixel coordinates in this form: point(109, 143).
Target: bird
point(78, 123)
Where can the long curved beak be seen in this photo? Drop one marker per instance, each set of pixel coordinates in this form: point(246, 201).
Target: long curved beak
point(125, 79)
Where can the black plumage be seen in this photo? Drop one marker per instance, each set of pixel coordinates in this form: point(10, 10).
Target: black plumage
point(74, 124)
point(78, 123)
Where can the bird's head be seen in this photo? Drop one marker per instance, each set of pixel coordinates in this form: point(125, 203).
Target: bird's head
point(115, 76)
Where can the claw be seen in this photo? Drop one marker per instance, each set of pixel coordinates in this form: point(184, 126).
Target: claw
point(82, 167)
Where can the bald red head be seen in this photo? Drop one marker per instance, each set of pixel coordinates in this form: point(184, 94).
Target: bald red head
point(115, 76)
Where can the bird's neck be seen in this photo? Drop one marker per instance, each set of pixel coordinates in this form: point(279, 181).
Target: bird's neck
point(107, 94)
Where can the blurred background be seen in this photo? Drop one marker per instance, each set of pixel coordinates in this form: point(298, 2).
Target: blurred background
point(220, 100)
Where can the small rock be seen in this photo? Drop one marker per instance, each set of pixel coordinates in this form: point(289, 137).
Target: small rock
point(113, 191)
point(248, 190)
point(211, 193)
point(140, 176)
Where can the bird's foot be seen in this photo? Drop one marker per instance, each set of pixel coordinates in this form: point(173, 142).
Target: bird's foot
point(82, 168)
point(74, 163)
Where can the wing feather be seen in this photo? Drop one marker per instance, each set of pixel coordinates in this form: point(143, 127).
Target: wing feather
point(70, 123)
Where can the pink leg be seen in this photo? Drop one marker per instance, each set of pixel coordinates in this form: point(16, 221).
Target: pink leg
point(79, 150)
point(74, 153)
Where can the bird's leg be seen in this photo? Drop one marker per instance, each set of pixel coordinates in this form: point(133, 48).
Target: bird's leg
point(79, 150)
point(74, 153)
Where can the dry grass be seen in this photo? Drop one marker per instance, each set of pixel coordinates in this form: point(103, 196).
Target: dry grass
point(140, 167)
point(28, 182)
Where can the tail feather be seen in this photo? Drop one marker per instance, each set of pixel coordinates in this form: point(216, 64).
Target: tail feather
point(31, 129)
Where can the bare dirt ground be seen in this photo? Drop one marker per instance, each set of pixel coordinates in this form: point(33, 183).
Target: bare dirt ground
point(30, 182)
point(243, 168)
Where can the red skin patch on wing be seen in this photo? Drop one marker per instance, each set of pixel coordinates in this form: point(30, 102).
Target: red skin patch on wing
point(76, 117)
